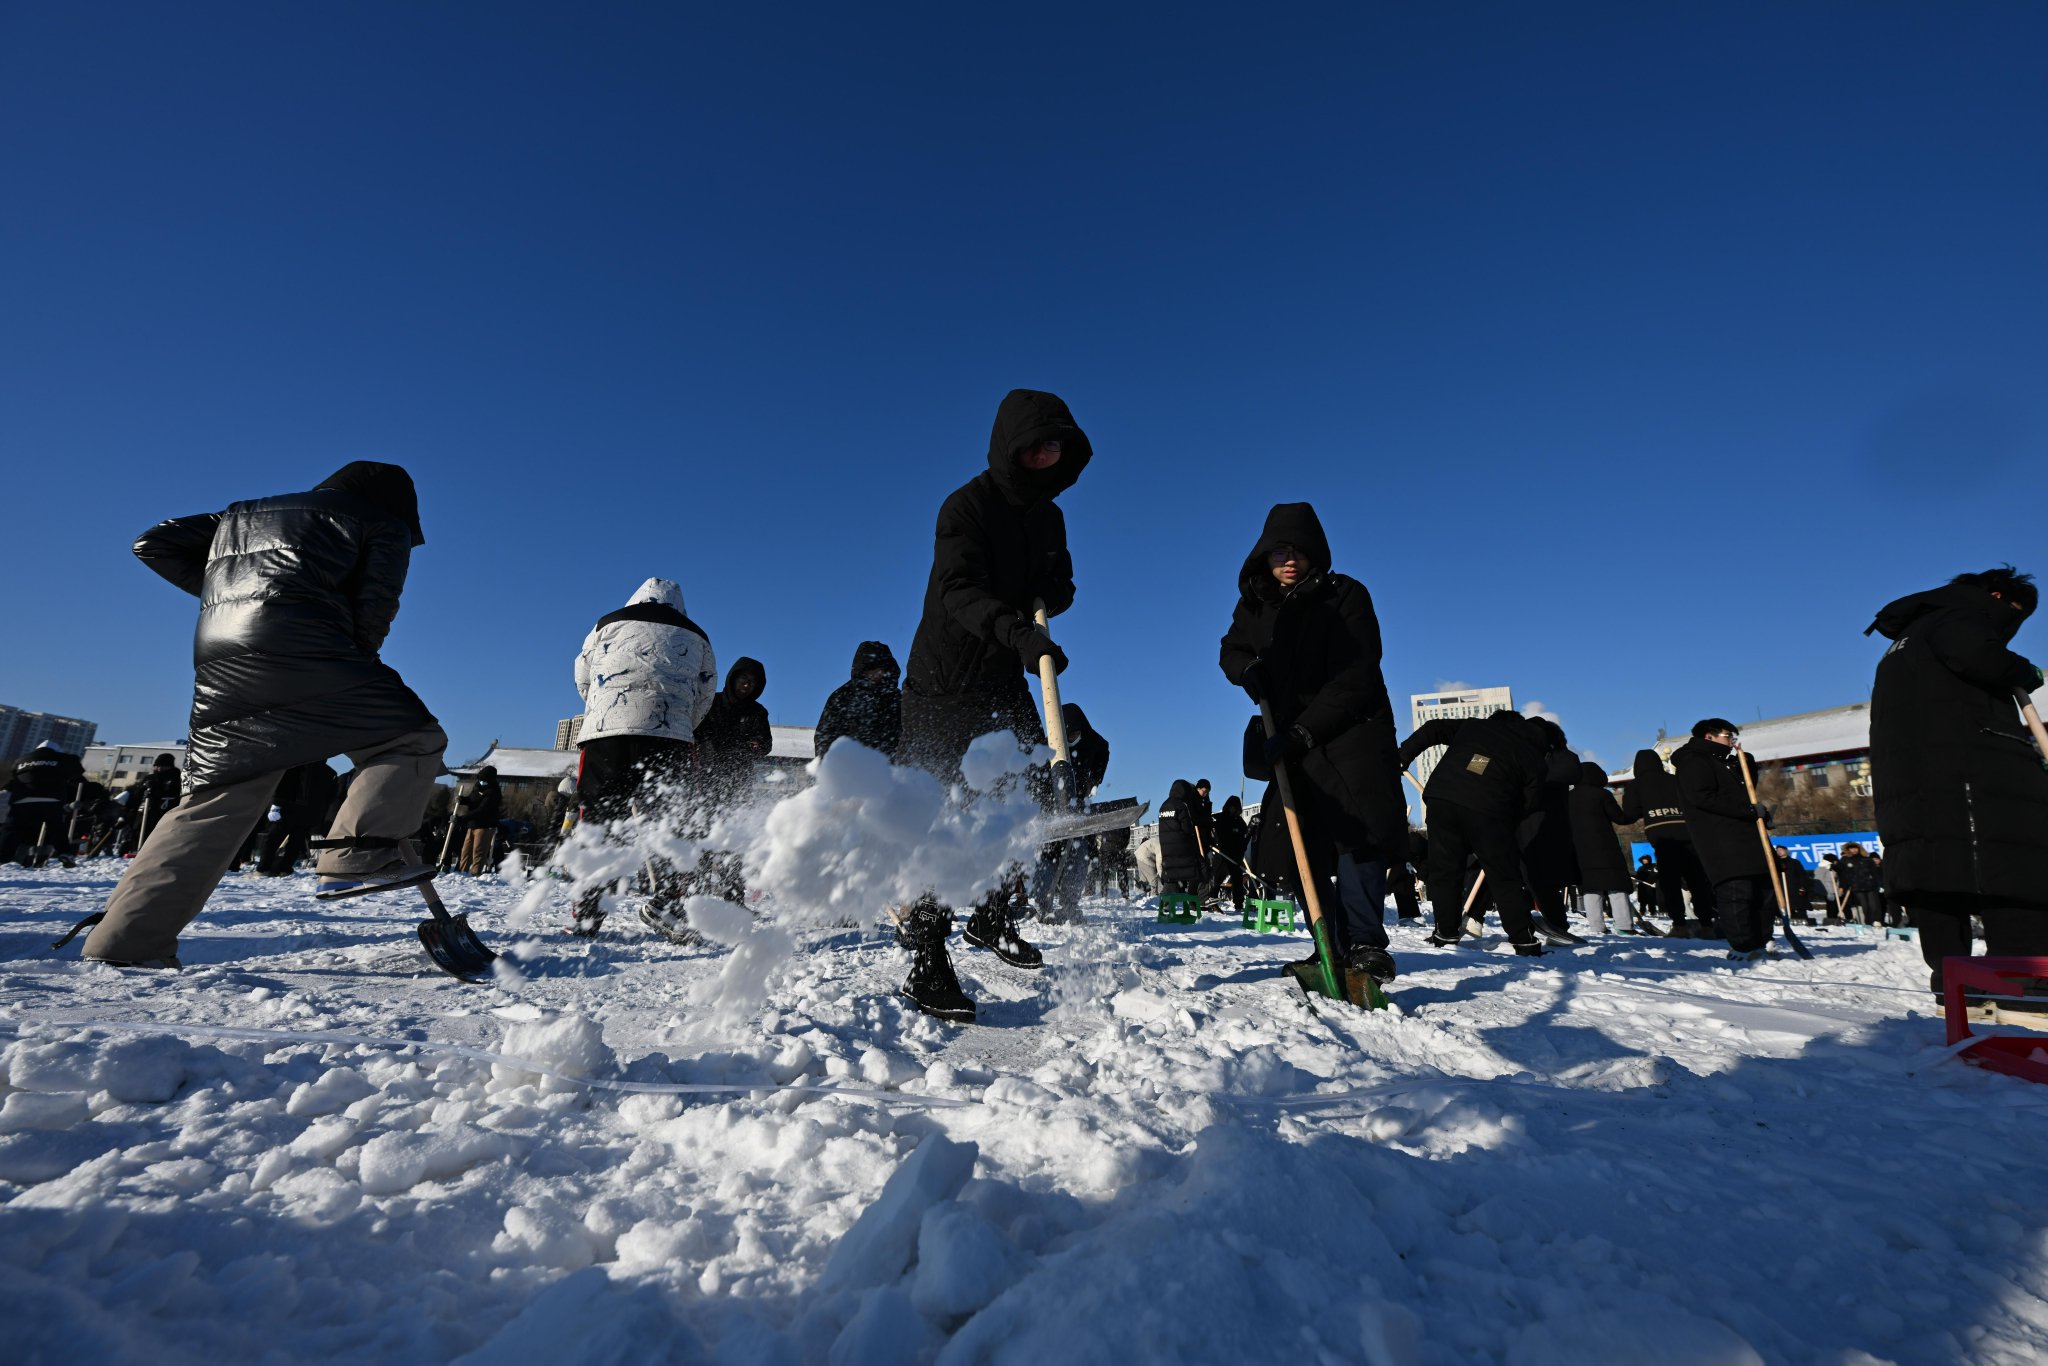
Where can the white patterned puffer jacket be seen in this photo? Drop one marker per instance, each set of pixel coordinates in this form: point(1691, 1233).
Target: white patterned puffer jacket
point(646, 669)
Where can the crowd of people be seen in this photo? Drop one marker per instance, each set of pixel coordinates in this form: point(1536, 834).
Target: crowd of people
point(298, 591)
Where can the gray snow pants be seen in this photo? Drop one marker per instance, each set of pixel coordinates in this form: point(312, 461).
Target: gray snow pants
point(188, 852)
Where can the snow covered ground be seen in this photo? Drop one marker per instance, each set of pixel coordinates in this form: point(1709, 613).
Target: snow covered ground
point(298, 1149)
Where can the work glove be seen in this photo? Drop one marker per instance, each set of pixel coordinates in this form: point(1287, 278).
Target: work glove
point(1255, 680)
point(1033, 645)
point(1763, 813)
point(1289, 744)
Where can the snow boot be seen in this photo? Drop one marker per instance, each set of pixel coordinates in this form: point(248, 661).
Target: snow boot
point(1551, 934)
point(1374, 962)
point(932, 985)
point(670, 925)
point(1756, 955)
point(1532, 949)
point(1437, 941)
point(990, 929)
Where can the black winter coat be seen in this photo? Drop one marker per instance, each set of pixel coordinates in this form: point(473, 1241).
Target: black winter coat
point(1000, 544)
point(484, 803)
point(1603, 867)
point(1497, 765)
point(1320, 645)
point(46, 775)
point(296, 596)
point(1230, 831)
point(735, 734)
point(868, 711)
point(1718, 812)
point(1962, 800)
point(1653, 799)
point(1180, 854)
point(1856, 873)
point(305, 795)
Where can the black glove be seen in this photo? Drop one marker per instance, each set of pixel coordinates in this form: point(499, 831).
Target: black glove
point(1289, 744)
point(1034, 645)
point(1763, 813)
point(1255, 681)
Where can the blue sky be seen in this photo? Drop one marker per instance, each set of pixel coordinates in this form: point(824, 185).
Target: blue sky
point(1633, 355)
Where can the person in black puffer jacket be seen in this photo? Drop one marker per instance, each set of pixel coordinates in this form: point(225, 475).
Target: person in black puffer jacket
point(1000, 545)
point(1180, 842)
point(1483, 798)
point(1226, 857)
point(297, 594)
point(1962, 797)
point(1087, 750)
point(1306, 640)
point(1603, 867)
point(481, 809)
point(735, 737)
point(868, 707)
point(1722, 822)
point(1653, 799)
point(46, 781)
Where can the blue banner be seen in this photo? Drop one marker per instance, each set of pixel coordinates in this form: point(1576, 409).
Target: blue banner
point(1808, 849)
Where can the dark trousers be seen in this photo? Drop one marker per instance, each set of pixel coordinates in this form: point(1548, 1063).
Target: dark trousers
point(1361, 918)
point(284, 844)
point(1456, 833)
point(33, 824)
point(1867, 907)
point(1743, 905)
point(1679, 871)
point(2009, 931)
point(1405, 900)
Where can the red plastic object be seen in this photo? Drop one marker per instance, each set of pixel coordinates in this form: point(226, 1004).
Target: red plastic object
point(2012, 1054)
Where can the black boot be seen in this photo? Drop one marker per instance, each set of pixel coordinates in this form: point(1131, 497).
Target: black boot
point(1533, 949)
point(1374, 962)
point(991, 928)
point(587, 918)
point(932, 986)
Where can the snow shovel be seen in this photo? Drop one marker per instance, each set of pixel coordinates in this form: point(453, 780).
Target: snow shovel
point(1763, 833)
point(450, 942)
point(1063, 796)
point(1332, 974)
point(1472, 897)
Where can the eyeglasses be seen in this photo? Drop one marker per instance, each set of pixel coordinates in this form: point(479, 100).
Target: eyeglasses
point(1281, 554)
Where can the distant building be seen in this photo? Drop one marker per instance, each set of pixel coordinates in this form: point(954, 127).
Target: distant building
point(119, 765)
point(567, 730)
point(21, 731)
point(1466, 702)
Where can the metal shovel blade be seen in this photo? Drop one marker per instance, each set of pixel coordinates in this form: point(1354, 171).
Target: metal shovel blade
point(451, 943)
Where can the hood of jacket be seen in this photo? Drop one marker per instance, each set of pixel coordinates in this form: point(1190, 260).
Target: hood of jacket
point(869, 654)
point(1075, 719)
point(666, 592)
point(1895, 617)
point(1023, 419)
point(388, 486)
point(1648, 765)
point(1592, 775)
point(1294, 524)
point(743, 667)
point(1232, 807)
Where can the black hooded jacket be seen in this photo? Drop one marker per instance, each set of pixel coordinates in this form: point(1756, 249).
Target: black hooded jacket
point(296, 596)
point(1718, 812)
point(1000, 544)
point(1087, 751)
point(867, 711)
point(735, 734)
point(1603, 867)
point(1230, 832)
point(1320, 645)
point(1180, 850)
point(485, 802)
point(46, 774)
point(1653, 799)
point(1962, 800)
point(1497, 765)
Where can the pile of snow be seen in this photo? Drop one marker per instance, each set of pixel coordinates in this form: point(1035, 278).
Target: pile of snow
point(310, 1146)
